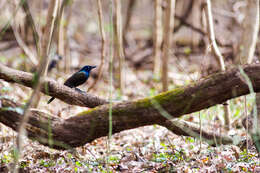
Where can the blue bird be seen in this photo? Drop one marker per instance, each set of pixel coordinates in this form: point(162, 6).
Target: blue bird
point(77, 78)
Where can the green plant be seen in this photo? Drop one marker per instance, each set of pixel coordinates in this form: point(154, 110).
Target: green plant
point(244, 156)
point(47, 164)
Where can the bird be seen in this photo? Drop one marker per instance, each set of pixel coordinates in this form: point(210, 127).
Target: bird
point(77, 78)
point(54, 61)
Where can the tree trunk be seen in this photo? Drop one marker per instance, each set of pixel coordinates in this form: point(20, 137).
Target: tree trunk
point(246, 47)
point(245, 55)
point(167, 39)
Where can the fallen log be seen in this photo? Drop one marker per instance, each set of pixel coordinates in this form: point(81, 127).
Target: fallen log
point(91, 124)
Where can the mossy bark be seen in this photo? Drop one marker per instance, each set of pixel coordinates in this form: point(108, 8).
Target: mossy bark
point(89, 125)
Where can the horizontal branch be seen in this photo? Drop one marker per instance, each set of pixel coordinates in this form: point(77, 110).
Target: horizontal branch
point(52, 88)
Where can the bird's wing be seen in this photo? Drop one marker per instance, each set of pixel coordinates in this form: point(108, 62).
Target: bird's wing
point(76, 79)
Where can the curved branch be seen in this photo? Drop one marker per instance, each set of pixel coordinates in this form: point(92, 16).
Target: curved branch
point(185, 15)
point(52, 88)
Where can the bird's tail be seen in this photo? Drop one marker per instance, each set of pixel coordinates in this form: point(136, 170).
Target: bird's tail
point(50, 100)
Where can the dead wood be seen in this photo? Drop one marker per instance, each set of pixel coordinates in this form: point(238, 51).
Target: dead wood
point(89, 125)
point(51, 87)
point(73, 132)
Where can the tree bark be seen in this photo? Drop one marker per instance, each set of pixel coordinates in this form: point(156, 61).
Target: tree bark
point(246, 47)
point(157, 37)
point(89, 125)
point(167, 39)
point(52, 88)
point(245, 55)
point(218, 55)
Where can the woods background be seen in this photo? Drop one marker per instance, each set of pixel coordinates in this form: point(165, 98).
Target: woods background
point(172, 65)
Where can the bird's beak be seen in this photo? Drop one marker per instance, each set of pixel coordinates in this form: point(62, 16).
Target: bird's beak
point(93, 67)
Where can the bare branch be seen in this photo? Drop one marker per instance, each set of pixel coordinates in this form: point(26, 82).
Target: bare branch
point(51, 87)
point(167, 38)
point(31, 22)
point(119, 50)
point(158, 34)
point(218, 55)
point(103, 43)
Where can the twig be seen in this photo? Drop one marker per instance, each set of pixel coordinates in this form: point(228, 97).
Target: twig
point(218, 55)
point(67, 44)
point(211, 36)
point(103, 43)
point(200, 131)
point(32, 24)
point(19, 40)
point(119, 52)
point(42, 67)
point(49, 28)
point(129, 11)
point(157, 36)
point(167, 38)
point(59, 27)
point(245, 109)
point(21, 43)
point(198, 30)
point(184, 16)
point(111, 60)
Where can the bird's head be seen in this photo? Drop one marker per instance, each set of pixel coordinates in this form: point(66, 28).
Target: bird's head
point(87, 68)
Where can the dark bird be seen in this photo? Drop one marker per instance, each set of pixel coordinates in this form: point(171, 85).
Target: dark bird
point(77, 78)
point(54, 62)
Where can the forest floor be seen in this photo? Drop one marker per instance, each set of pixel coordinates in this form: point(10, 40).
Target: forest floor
point(145, 149)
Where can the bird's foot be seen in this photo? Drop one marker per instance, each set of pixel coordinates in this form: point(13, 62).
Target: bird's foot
point(79, 90)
